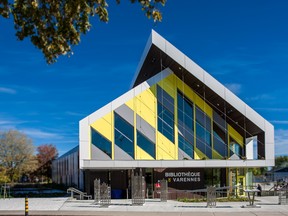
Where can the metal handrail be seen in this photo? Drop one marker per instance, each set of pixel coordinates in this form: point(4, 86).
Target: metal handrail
point(80, 193)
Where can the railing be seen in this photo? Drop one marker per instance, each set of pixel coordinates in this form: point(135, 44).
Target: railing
point(198, 193)
point(82, 195)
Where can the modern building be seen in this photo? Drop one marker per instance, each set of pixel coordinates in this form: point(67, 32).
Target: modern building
point(176, 122)
point(65, 170)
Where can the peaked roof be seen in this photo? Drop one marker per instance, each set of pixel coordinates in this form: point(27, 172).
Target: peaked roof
point(161, 58)
point(160, 54)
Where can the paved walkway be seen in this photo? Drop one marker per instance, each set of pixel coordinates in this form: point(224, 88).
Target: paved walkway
point(62, 206)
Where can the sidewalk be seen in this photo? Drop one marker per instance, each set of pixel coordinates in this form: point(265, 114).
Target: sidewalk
point(62, 206)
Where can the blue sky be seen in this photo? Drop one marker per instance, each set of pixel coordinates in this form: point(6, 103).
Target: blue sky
point(242, 43)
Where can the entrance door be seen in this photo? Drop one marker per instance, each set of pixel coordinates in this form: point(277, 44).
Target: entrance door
point(149, 182)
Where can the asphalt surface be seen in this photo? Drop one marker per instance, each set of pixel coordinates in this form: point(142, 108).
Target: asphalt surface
point(266, 206)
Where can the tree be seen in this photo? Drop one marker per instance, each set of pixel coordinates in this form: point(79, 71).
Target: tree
point(16, 154)
point(45, 155)
point(54, 26)
point(281, 161)
point(259, 171)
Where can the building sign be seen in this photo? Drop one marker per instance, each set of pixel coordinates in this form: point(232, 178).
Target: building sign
point(181, 178)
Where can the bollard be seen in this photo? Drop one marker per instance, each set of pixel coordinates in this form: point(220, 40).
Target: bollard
point(26, 206)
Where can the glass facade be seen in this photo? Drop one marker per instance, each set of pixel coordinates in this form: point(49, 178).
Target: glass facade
point(101, 142)
point(186, 146)
point(203, 133)
point(219, 140)
point(200, 134)
point(185, 124)
point(144, 143)
point(124, 135)
point(235, 148)
point(165, 111)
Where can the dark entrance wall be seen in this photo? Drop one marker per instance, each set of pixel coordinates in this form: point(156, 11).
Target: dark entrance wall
point(117, 179)
point(178, 179)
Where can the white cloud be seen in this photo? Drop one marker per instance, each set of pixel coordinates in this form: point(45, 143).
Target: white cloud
point(234, 87)
point(7, 90)
point(260, 97)
point(6, 122)
point(273, 109)
point(73, 113)
point(279, 122)
point(40, 134)
point(281, 142)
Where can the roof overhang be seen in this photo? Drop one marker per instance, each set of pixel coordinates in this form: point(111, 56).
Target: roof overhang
point(160, 54)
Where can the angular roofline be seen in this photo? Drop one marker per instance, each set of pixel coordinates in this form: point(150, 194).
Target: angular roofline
point(203, 76)
point(158, 43)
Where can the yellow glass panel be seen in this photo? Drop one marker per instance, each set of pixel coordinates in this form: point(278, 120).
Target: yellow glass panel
point(146, 106)
point(165, 149)
point(169, 85)
point(235, 135)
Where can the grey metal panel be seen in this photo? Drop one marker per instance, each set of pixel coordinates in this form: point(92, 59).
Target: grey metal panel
point(145, 128)
point(173, 52)
point(121, 164)
point(84, 129)
point(100, 113)
point(126, 113)
point(182, 155)
point(191, 66)
point(269, 133)
point(231, 98)
point(122, 99)
point(119, 154)
point(255, 117)
point(269, 151)
point(97, 154)
point(212, 83)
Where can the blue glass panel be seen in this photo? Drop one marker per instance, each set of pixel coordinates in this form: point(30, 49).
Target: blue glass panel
point(235, 148)
point(123, 126)
point(203, 134)
point(219, 145)
point(165, 122)
point(185, 110)
point(165, 99)
point(185, 124)
point(203, 119)
point(145, 144)
point(167, 116)
point(204, 148)
point(124, 143)
point(124, 135)
point(186, 146)
point(101, 142)
point(186, 132)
